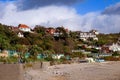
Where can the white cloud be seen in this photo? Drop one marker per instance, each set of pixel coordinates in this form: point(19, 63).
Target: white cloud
point(60, 16)
point(2, 9)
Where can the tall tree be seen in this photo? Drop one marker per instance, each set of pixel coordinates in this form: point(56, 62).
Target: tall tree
point(35, 50)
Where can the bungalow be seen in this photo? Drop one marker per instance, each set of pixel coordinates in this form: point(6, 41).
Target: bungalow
point(24, 28)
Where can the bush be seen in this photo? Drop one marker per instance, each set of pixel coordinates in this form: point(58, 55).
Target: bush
point(9, 60)
point(111, 58)
point(116, 54)
point(77, 54)
point(49, 58)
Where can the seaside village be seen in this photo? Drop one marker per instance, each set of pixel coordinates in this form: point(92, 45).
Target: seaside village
point(85, 51)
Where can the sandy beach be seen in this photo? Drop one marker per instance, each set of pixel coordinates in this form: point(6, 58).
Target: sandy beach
point(77, 71)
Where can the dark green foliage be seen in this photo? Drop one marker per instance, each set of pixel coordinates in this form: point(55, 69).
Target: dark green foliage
point(4, 37)
point(107, 38)
point(40, 29)
point(35, 50)
point(49, 58)
point(116, 54)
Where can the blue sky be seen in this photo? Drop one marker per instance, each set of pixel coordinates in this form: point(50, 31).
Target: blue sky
point(82, 15)
point(93, 5)
point(7, 0)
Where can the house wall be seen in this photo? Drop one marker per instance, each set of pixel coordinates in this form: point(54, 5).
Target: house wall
point(25, 29)
point(20, 35)
point(85, 35)
point(114, 47)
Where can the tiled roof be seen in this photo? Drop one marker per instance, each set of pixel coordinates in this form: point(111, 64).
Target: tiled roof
point(22, 26)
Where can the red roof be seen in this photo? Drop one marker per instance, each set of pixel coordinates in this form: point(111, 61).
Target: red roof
point(51, 31)
point(22, 26)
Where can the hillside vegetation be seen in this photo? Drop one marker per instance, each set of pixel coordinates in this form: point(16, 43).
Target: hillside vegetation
point(42, 42)
point(37, 42)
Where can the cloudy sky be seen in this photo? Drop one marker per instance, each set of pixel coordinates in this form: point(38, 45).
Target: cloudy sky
point(82, 15)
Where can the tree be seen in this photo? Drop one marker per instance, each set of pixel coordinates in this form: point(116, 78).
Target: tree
point(35, 50)
point(47, 52)
point(32, 38)
point(40, 29)
point(64, 35)
point(23, 41)
point(21, 49)
point(66, 50)
point(4, 43)
point(74, 35)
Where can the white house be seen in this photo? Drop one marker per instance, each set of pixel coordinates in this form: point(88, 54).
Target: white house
point(114, 47)
point(86, 35)
point(20, 34)
point(24, 28)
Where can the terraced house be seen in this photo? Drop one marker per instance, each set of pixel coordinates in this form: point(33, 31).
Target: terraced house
point(89, 35)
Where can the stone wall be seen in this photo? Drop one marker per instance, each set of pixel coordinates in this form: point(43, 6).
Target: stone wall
point(11, 72)
point(41, 65)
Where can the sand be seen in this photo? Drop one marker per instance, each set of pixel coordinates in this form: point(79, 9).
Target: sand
point(77, 71)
